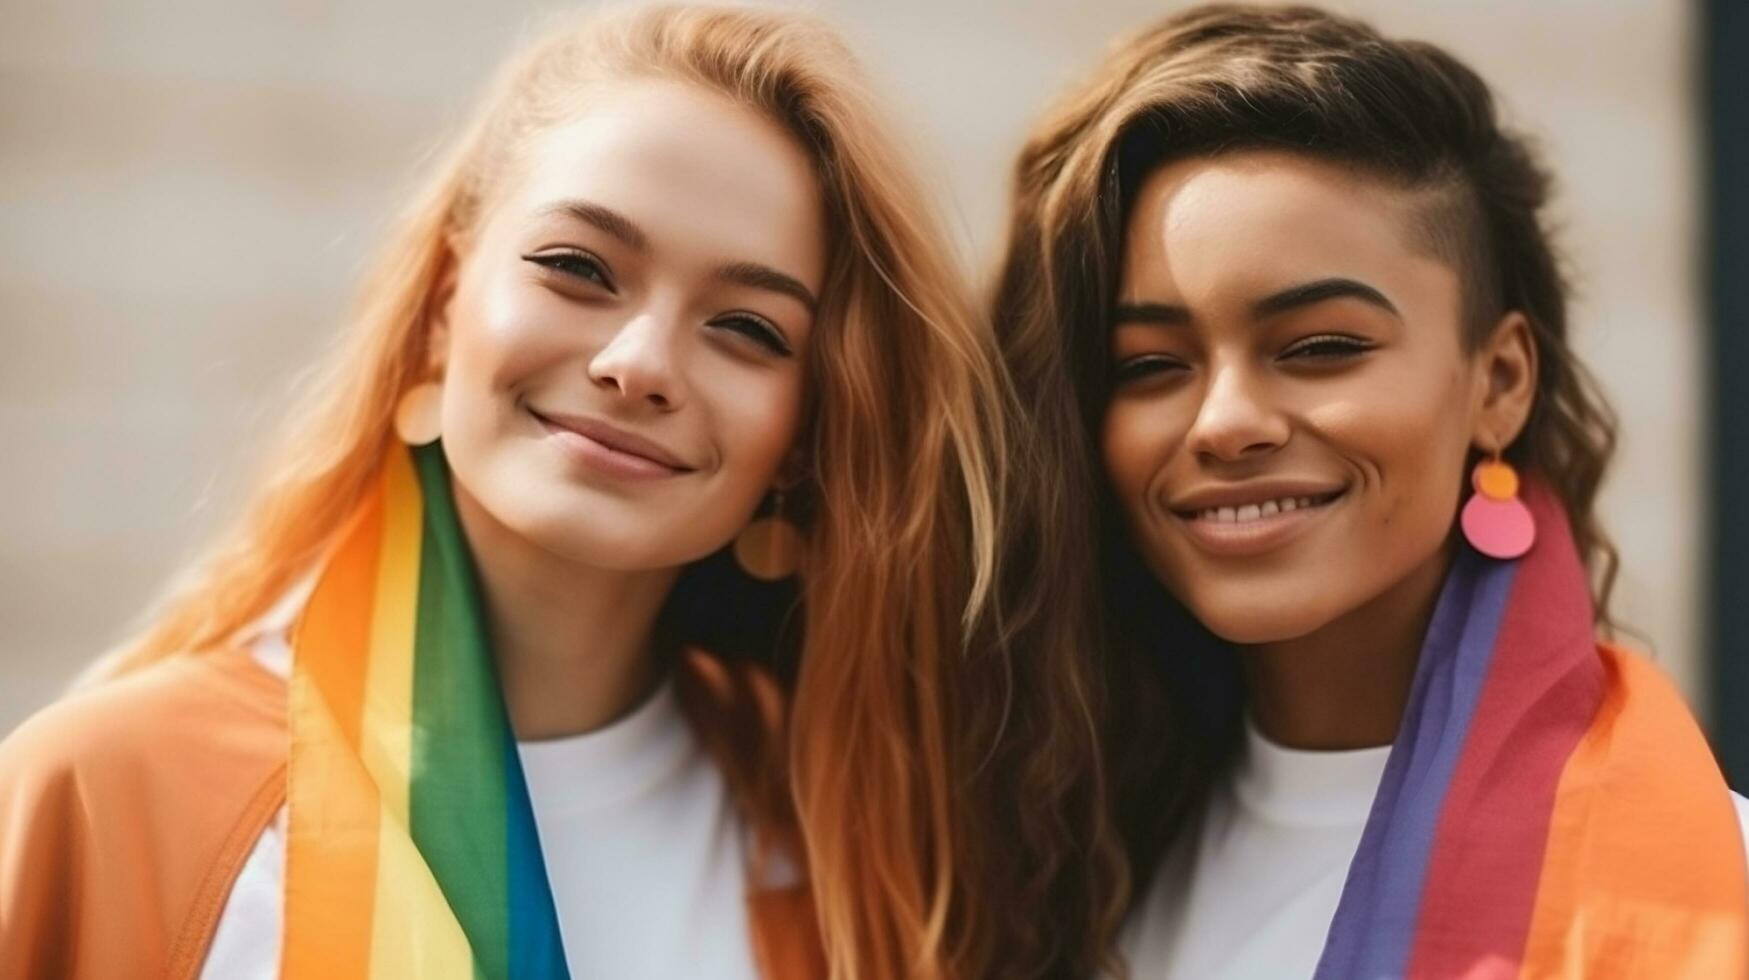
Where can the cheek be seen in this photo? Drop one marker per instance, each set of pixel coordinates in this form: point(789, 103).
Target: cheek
point(503, 332)
point(756, 414)
point(1387, 413)
point(1406, 442)
point(1135, 439)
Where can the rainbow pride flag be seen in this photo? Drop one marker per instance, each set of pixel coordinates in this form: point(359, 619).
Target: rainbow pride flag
point(1549, 809)
point(412, 848)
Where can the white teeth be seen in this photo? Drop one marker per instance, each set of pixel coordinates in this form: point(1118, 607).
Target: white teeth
point(1252, 512)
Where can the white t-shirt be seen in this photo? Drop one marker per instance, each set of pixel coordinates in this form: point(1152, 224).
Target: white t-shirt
point(644, 849)
point(1252, 895)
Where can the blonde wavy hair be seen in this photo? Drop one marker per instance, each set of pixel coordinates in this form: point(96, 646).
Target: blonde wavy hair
point(939, 787)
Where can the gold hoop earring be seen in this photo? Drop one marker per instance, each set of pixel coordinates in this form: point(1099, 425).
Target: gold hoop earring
point(419, 414)
point(770, 547)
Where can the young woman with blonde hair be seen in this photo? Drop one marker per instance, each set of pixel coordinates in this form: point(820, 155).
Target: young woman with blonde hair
point(476, 688)
point(1280, 294)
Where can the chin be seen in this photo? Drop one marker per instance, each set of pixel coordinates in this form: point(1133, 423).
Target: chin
point(615, 544)
point(573, 527)
point(1248, 622)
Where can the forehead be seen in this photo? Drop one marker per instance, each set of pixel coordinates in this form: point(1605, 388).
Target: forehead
point(692, 168)
point(1260, 219)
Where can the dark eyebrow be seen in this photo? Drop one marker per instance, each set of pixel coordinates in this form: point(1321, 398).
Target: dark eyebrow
point(1305, 294)
point(1164, 314)
point(756, 276)
point(604, 218)
point(1318, 291)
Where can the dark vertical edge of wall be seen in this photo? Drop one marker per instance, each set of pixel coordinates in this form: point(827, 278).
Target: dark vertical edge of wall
point(1724, 40)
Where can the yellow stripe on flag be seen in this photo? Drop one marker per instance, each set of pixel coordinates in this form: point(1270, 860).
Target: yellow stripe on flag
point(416, 933)
point(386, 741)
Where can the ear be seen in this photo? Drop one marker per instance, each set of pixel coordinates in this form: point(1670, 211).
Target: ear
point(1506, 367)
point(438, 309)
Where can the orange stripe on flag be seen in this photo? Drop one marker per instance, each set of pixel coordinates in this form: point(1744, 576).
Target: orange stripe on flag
point(334, 808)
point(1641, 773)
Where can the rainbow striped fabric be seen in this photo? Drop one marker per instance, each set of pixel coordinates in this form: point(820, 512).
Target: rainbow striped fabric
point(412, 849)
point(1549, 809)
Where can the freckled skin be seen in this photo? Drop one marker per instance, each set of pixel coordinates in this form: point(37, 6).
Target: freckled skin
point(661, 353)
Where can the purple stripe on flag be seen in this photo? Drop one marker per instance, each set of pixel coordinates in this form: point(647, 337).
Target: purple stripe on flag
point(1373, 929)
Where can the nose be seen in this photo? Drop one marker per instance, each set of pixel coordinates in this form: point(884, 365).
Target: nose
point(1236, 419)
point(640, 362)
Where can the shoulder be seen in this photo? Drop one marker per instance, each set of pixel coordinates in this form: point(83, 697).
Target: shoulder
point(197, 707)
point(179, 739)
point(1661, 747)
point(1641, 697)
point(153, 786)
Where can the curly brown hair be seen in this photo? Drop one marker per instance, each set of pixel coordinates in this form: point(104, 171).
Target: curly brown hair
point(1217, 79)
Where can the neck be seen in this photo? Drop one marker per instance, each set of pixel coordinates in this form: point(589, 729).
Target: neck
point(573, 644)
point(1346, 684)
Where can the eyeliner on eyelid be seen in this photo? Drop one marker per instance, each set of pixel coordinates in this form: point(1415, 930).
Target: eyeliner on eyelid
point(561, 260)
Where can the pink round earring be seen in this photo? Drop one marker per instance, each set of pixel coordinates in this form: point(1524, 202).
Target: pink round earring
point(419, 414)
point(1495, 521)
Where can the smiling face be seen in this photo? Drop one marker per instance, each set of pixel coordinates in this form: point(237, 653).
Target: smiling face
point(1293, 402)
point(623, 348)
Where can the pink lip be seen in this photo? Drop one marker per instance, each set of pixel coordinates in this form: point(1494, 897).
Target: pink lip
point(609, 449)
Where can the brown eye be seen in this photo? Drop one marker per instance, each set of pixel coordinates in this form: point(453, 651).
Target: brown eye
point(1147, 366)
point(757, 329)
point(1326, 347)
point(575, 263)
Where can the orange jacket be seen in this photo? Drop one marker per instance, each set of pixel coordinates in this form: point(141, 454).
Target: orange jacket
point(127, 811)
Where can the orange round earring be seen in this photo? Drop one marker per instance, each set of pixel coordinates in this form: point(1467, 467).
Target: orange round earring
point(770, 548)
point(419, 414)
point(1495, 521)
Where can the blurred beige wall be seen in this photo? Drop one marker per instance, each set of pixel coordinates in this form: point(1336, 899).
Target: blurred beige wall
point(189, 188)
